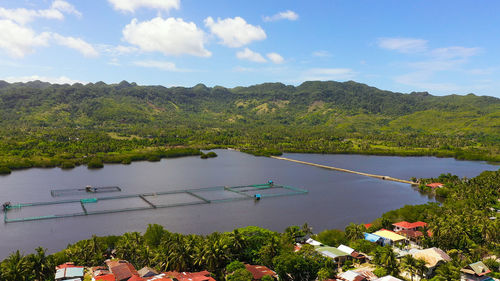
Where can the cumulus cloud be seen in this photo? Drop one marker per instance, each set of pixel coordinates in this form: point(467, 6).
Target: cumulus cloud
point(250, 55)
point(18, 40)
point(132, 5)
point(275, 57)
point(328, 74)
point(403, 45)
point(286, 15)
point(53, 80)
point(78, 44)
point(23, 16)
point(163, 65)
point(172, 36)
point(235, 32)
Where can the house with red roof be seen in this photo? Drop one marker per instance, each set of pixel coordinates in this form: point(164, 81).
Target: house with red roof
point(105, 277)
point(404, 225)
point(259, 271)
point(189, 276)
point(435, 185)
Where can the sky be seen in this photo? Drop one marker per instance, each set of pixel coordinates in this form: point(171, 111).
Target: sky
point(443, 47)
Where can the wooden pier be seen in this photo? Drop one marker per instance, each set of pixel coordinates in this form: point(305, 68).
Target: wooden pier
point(388, 178)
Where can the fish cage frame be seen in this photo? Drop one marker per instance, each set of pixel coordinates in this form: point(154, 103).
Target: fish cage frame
point(242, 190)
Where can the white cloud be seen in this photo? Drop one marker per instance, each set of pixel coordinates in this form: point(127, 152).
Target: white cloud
point(133, 5)
point(78, 44)
point(275, 57)
point(163, 65)
point(403, 45)
point(66, 7)
point(18, 40)
point(23, 16)
point(288, 15)
point(455, 52)
point(328, 74)
point(172, 36)
point(53, 80)
point(250, 55)
point(116, 50)
point(321, 54)
point(235, 32)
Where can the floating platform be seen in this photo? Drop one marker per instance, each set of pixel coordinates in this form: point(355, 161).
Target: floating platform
point(82, 191)
point(144, 201)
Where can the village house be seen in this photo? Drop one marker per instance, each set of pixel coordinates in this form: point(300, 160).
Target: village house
point(360, 258)
point(188, 276)
point(331, 252)
point(147, 272)
point(404, 225)
point(433, 257)
point(121, 269)
point(351, 276)
point(475, 272)
point(390, 237)
point(259, 271)
point(435, 185)
point(69, 272)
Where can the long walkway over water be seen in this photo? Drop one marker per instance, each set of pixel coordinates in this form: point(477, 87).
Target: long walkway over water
point(346, 170)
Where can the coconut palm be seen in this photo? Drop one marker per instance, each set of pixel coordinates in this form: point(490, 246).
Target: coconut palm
point(15, 268)
point(410, 265)
point(354, 231)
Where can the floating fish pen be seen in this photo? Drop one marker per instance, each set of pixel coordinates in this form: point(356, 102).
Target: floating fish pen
point(83, 191)
point(145, 201)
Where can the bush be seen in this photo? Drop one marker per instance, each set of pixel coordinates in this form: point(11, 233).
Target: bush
point(211, 154)
point(380, 272)
point(95, 163)
point(4, 170)
point(153, 158)
point(126, 161)
point(67, 165)
point(204, 156)
point(267, 278)
point(233, 266)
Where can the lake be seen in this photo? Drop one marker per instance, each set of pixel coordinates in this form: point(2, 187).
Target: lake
point(334, 200)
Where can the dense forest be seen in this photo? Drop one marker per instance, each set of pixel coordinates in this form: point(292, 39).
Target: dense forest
point(462, 225)
point(43, 124)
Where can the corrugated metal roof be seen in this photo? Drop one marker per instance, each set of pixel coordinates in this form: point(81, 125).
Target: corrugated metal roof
point(372, 237)
point(346, 249)
point(384, 233)
point(388, 278)
point(331, 252)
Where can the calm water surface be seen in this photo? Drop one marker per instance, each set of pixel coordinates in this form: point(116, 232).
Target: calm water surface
point(334, 199)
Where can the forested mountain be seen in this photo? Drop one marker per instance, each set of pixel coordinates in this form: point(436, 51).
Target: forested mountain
point(313, 117)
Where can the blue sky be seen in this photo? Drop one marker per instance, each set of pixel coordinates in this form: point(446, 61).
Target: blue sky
point(443, 47)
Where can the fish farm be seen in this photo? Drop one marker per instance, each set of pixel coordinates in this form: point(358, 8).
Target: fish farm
point(23, 212)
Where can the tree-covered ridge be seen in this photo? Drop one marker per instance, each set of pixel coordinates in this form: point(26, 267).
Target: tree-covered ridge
point(462, 226)
point(43, 120)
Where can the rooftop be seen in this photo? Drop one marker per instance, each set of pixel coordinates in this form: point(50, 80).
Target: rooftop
point(405, 224)
point(391, 235)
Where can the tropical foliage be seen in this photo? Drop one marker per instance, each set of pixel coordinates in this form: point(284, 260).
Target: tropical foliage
point(61, 125)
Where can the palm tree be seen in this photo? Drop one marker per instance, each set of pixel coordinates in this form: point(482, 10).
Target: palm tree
point(41, 265)
point(15, 268)
point(214, 255)
point(410, 265)
point(354, 231)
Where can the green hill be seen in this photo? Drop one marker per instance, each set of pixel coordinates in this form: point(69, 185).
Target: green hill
point(39, 119)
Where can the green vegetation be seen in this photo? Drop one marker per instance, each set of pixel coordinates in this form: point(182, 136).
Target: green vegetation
point(210, 154)
point(461, 225)
point(46, 125)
